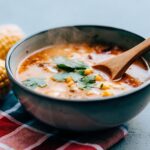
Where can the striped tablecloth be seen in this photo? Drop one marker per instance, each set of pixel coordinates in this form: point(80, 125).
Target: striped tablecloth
point(21, 131)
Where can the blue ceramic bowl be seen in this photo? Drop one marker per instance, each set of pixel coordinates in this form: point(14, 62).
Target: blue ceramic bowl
point(81, 115)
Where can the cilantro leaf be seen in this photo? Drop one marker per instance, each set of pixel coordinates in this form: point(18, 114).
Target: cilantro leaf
point(69, 65)
point(34, 82)
point(75, 76)
point(85, 86)
point(88, 79)
point(87, 82)
point(60, 76)
point(81, 72)
point(75, 69)
point(63, 76)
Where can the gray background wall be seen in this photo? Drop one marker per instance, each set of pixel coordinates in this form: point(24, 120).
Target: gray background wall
point(35, 15)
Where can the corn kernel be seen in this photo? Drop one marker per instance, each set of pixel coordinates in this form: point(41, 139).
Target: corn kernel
point(69, 79)
point(98, 78)
point(105, 86)
point(70, 83)
point(4, 82)
point(88, 71)
point(9, 35)
point(106, 93)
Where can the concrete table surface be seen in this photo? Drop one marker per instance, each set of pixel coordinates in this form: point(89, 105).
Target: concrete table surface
point(36, 15)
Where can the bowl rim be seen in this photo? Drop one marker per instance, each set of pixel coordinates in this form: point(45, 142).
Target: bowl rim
point(103, 99)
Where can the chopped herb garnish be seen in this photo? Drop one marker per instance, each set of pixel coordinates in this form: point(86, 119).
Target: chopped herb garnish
point(75, 76)
point(81, 72)
point(75, 69)
point(69, 65)
point(88, 79)
point(85, 86)
point(63, 76)
point(60, 76)
point(87, 82)
point(34, 82)
point(101, 86)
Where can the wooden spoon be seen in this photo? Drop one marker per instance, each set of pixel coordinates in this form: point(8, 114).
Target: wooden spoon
point(117, 66)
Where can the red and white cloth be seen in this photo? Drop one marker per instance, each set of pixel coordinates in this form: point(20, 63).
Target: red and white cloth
point(19, 131)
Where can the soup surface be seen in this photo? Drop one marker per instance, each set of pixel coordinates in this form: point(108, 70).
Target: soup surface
point(65, 71)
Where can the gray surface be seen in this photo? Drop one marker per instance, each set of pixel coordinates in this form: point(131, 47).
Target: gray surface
point(36, 15)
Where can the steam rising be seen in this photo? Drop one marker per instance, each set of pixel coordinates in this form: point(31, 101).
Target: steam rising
point(92, 34)
point(69, 35)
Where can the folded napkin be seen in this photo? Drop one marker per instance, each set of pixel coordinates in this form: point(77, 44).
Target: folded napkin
point(19, 130)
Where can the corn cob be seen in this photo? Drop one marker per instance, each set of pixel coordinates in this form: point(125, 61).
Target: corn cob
point(9, 35)
point(4, 81)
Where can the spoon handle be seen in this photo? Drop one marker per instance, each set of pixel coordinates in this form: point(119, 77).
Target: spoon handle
point(118, 65)
point(138, 50)
point(128, 57)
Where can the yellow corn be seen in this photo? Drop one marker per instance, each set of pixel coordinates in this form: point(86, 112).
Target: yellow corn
point(71, 83)
point(98, 78)
point(9, 35)
point(4, 81)
point(105, 86)
point(106, 93)
point(88, 71)
point(69, 79)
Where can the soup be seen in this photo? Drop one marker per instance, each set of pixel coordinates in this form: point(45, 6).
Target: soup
point(65, 71)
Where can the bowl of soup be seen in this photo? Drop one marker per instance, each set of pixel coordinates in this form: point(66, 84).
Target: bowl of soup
point(52, 75)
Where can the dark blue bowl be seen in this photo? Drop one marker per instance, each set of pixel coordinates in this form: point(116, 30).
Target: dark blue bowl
point(78, 115)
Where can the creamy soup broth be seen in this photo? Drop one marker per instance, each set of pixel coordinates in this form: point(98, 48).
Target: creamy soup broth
point(65, 71)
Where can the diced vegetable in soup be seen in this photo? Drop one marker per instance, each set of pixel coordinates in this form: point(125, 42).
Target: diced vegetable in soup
point(65, 71)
